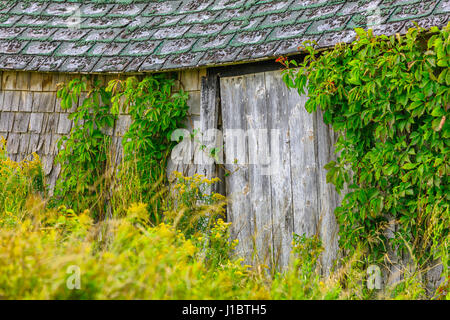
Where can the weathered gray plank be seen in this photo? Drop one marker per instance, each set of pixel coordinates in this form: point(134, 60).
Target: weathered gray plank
point(15, 101)
point(237, 185)
point(282, 210)
point(24, 143)
point(44, 102)
point(47, 143)
point(8, 97)
point(299, 198)
point(194, 102)
point(208, 134)
point(47, 164)
point(50, 123)
point(6, 121)
point(2, 97)
point(34, 144)
point(182, 157)
point(327, 195)
point(64, 124)
point(12, 145)
point(21, 122)
point(26, 101)
point(36, 121)
point(259, 155)
point(52, 177)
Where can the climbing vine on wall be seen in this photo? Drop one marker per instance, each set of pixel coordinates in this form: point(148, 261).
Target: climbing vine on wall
point(389, 99)
point(156, 111)
point(84, 155)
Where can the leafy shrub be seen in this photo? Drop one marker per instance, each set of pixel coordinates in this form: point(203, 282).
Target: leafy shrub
point(388, 97)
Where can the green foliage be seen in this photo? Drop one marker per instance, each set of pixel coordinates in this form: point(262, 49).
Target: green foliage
point(388, 97)
point(83, 154)
point(303, 279)
point(18, 180)
point(191, 205)
point(88, 174)
point(307, 252)
point(115, 257)
point(155, 112)
point(129, 257)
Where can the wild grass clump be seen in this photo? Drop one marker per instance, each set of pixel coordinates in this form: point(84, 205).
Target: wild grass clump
point(17, 181)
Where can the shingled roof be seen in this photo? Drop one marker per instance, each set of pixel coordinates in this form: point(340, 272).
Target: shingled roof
point(143, 35)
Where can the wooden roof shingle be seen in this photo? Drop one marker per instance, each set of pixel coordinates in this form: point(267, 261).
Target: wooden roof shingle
point(143, 35)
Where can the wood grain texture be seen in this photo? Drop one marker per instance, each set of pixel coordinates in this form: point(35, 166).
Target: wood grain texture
point(327, 194)
point(289, 196)
point(256, 112)
point(281, 180)
point(234, 102)
point(207, 135)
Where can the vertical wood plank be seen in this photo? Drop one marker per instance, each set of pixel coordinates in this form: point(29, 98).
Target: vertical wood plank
point(9, 79)
point(36, 81)
point(47, 82)
point(23, 81)
point(282, 213)
point(190, 80)
point(237, 185)
point(259, 155)
point(327, 195)
point(190, 160)
point(303, 165)
point(209, 116)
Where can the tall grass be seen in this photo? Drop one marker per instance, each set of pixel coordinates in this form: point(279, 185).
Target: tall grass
point(182, 252)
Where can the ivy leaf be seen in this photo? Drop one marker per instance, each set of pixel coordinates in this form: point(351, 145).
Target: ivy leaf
point(409, 166)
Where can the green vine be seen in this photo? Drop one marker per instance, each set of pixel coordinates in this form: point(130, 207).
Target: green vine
point(155, 112)
point(388, 97)
point(85, 155)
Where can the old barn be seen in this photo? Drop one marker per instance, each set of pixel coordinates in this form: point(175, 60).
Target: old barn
point(223, 52)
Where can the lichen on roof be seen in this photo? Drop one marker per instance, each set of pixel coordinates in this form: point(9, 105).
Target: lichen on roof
point(143, 35)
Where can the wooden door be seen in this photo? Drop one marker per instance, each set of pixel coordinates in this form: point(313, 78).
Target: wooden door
point(274, 152)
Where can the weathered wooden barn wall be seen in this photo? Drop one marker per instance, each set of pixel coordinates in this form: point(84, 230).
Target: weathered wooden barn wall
point(266, 209)
point(31, 118)
point(269, 201)
point(278, 185)
point(277, 182)
point(189, 158)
